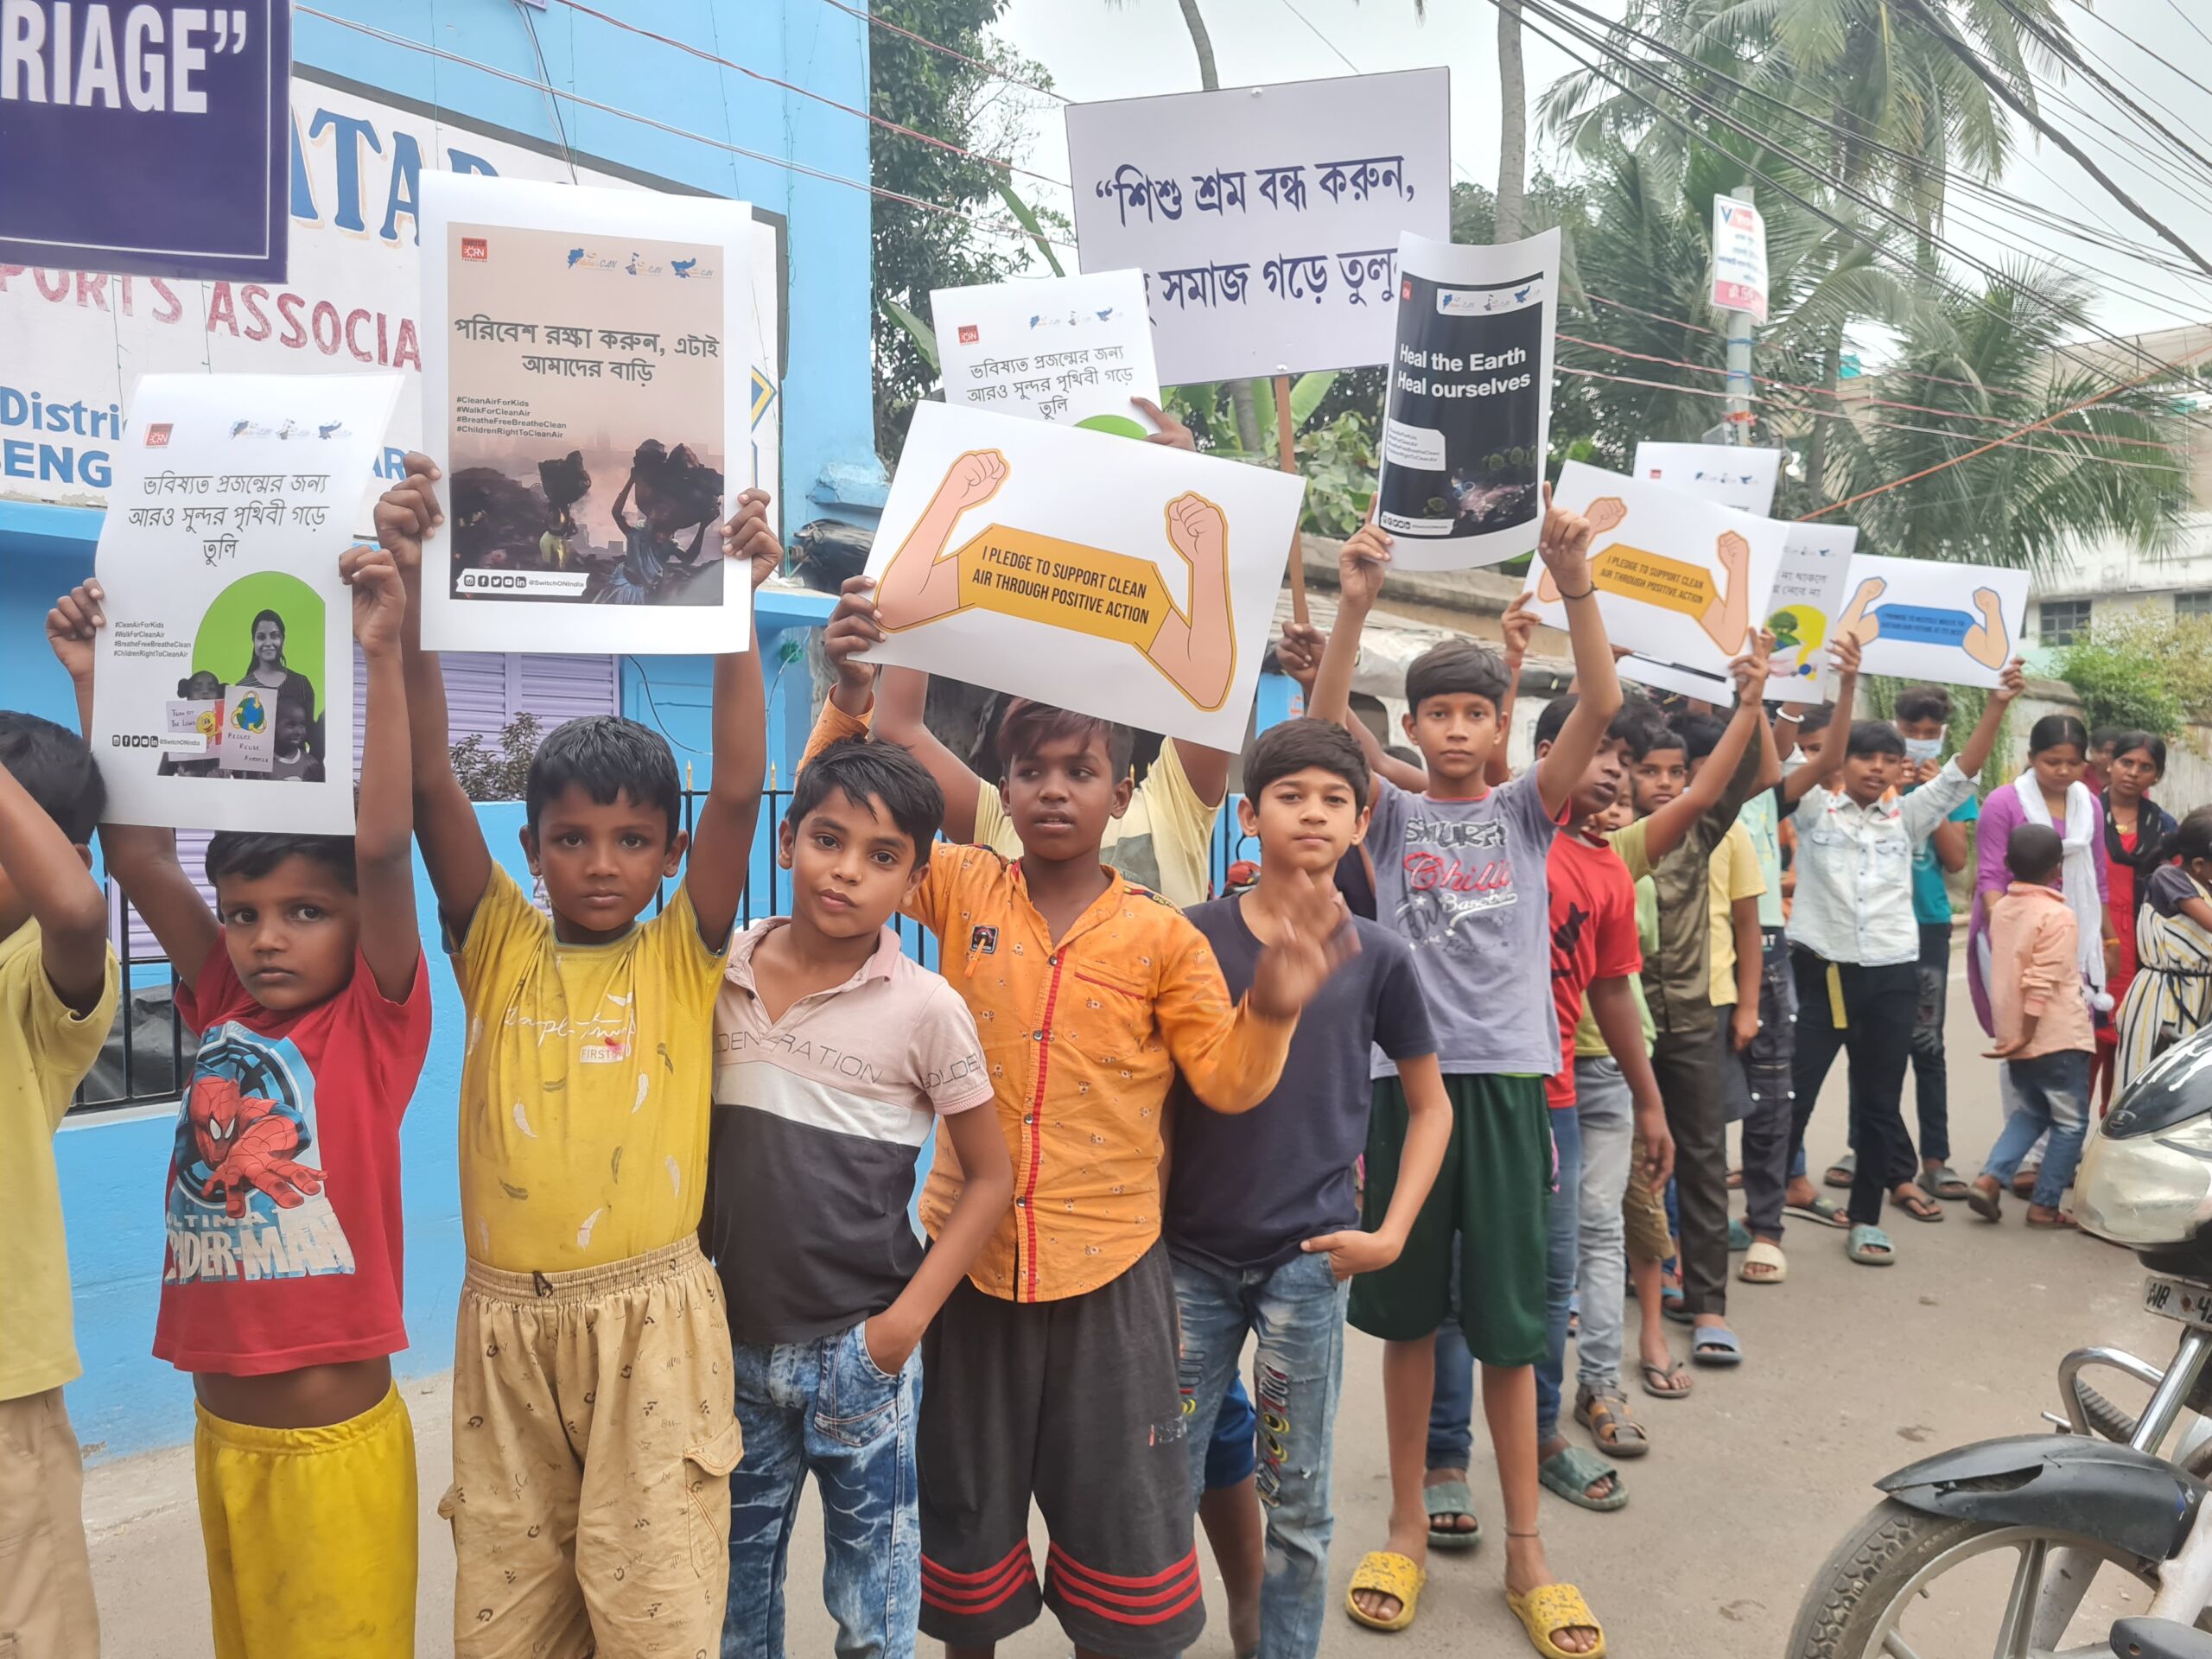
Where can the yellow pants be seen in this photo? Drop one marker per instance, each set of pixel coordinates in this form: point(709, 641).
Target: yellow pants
point(310, 1535)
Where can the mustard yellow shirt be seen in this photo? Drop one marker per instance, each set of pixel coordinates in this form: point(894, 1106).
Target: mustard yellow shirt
point(585, 1089)
point(1735, 874)
point(45, 1050)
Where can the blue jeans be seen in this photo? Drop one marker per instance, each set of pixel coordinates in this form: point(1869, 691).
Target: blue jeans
point(1297, 1312)
point(2050, 1092)
point(1452, 1406)
point(823, 1408)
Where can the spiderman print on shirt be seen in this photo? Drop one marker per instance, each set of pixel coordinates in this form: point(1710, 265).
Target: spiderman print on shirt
point(245, 1195)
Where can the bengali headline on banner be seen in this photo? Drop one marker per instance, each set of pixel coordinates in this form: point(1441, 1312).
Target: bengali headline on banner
point(1266, 218)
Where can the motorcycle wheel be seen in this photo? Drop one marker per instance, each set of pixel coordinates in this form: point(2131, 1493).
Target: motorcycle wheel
point(1877, 1593)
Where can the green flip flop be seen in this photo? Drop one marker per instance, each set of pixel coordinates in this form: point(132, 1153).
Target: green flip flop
point(1571, 1470)
point(1451, 1499)
point(1870, 1246)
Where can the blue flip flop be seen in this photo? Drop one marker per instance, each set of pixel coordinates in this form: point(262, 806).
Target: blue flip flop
point(1739, 1237)
point(1715, 1345)
point(1870, 1246)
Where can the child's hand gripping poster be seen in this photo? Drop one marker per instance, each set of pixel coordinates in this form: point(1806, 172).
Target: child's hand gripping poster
point(1679, 578)
point(227, 661)
point(587, 366)
point(1927, 619)
point(1468, 415)
point(1129, 581)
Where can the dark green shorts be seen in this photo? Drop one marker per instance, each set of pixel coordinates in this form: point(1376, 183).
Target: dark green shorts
point(1490, 1211)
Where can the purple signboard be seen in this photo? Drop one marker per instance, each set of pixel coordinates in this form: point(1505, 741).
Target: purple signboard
point(150, 139)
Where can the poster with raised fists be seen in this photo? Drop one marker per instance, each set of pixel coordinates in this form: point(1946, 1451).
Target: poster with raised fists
point(226, 665)
point(1681, 579)
point(1926, 619)
point(1129, 581)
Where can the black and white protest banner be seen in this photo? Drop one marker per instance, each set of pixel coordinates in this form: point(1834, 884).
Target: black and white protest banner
point(1469, 412)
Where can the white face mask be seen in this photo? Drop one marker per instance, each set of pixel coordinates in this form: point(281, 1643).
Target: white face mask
point(1924, 749)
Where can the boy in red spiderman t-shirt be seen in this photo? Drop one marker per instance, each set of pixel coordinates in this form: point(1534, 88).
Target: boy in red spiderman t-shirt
point(280, 1289)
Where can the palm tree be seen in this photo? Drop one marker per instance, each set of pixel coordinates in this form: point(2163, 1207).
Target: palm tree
point(1993, 355)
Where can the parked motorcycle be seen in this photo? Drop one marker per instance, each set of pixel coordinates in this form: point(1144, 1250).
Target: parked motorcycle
point(1995, 1547)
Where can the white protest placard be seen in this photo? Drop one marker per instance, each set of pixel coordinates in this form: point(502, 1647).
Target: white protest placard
point(1742, 479)
point(1071, 349)
point(227, 661)
point(1925, 619)
point(1739, 258)
point(1679, 578)
point(1266, 218)
point(587, 363)
point(1468, 414)
point(1144, 597)
point(1808, 595)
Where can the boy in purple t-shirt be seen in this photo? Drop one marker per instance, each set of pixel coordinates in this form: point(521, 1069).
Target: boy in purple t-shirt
point(1459, 873)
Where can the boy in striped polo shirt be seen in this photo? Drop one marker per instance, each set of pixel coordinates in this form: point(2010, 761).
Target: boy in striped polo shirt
point(835, 1055)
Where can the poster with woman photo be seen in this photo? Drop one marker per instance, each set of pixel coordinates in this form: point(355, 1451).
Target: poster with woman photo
point(1468, 414)
point(587, 363)
point(227, 640)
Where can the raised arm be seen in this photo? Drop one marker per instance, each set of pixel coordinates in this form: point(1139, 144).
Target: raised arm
point(900, 696)
point(1843, 650)
point(384, 822)
point(1518, 627)
point(2010, 685)
point(1199, 652)
point(52, 874)
point(142, 859)
point(722, 836)
point(445, 818)
point(1732, 770)
point(1564, 546)
point(920, 583)
point(1362, 563)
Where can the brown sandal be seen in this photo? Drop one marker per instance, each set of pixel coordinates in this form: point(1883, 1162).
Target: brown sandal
point(1604, 1414)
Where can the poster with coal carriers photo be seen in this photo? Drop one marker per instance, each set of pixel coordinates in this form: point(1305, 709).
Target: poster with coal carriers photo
point(588, 356)
point(1469, 410)
point(227, 664)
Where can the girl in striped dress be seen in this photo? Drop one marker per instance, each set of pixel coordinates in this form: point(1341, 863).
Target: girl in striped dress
point(2172, 996)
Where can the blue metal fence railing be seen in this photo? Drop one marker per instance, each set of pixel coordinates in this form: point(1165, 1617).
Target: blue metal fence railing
point(149, 1054)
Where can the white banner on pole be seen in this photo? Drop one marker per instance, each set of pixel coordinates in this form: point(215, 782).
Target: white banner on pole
point(1739, 258)
point(1266, 218)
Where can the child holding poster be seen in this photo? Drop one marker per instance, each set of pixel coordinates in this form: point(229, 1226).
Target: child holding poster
point(1460, 872)
point(592, 1387)
point(58, 988)
point(1855, 946)
point(280, 1294)
point(1058, 1354)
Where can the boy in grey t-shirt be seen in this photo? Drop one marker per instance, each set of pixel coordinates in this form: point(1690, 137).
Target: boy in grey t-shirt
point(1459, 874)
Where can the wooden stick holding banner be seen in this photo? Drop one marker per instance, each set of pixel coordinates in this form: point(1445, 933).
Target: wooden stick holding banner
point(1286, 458)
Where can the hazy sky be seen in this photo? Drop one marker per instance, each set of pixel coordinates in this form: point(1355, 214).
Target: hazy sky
point(1096, 49)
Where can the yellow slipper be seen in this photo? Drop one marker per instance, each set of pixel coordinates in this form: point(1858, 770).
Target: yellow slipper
point(1391, 1574)
point(1549, 1609)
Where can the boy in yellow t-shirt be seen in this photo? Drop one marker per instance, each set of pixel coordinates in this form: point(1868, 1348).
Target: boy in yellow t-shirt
point(57, 998)
point(594, 1433)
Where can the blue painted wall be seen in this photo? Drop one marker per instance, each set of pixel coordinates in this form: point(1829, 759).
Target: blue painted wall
point(112, 1165)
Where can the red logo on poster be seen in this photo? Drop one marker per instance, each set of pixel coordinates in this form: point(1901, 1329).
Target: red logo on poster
point(157, 436)
point(471, 247)
point(1406, 288)
point(969, 333)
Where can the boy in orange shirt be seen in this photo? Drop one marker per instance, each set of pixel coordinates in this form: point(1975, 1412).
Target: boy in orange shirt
point(1053, 1371)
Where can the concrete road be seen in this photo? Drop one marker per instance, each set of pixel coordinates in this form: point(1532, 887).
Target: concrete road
point(1849, 1373)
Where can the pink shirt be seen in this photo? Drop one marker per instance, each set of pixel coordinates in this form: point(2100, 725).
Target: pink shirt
point(2034, 952)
